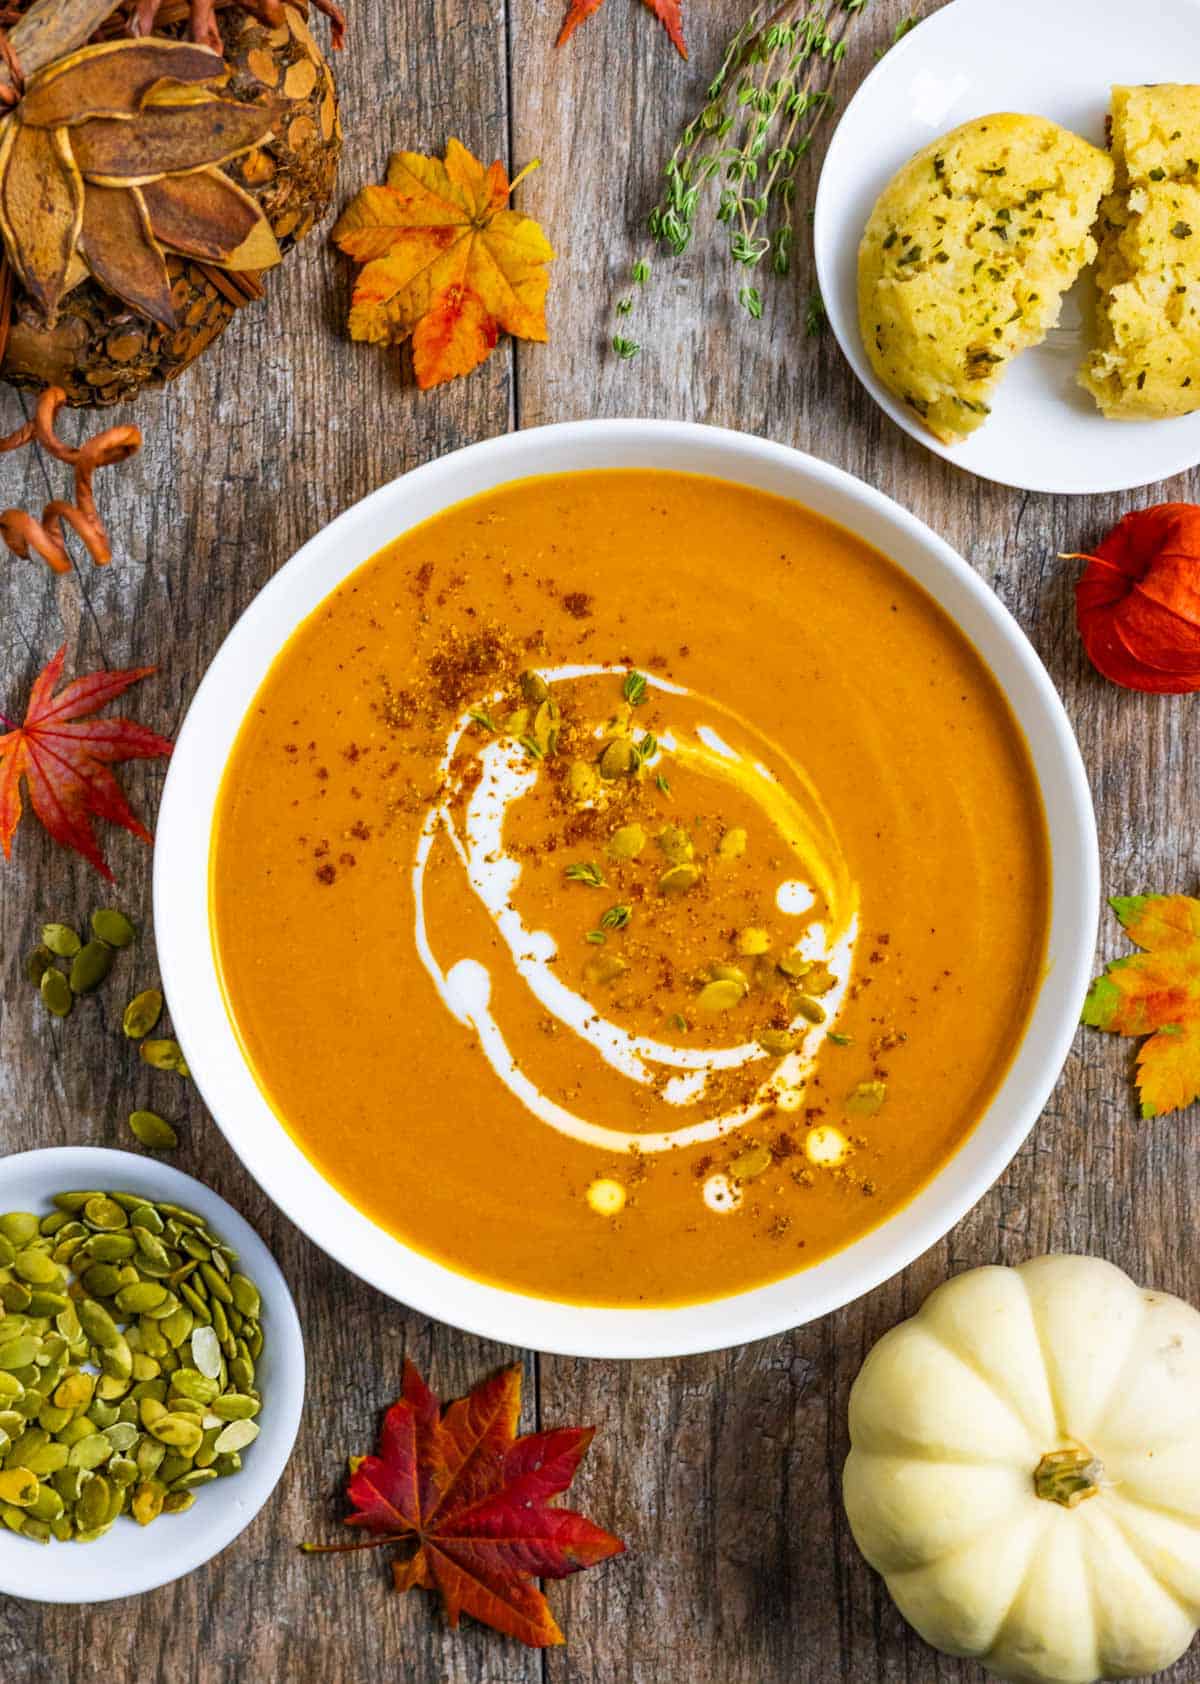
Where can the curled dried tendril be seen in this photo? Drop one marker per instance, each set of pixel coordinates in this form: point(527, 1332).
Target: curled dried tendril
point(24, 533)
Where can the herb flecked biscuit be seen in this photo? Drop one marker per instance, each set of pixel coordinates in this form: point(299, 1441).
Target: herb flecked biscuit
point(1147, 363)
point(966, 257)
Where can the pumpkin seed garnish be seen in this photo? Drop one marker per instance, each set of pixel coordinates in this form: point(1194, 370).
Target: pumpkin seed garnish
point(90, 966)
point(61, 939)
point(777, 1041)
point(802, 1006)
point(618, 759)
point(585, 871)
point(56, 992)
point(675, 843)
point(79, 1448)
point(679, 879)
point(164, 1055)
point(753, 942)
point(38, 963)
point(721, 996)
point(596, 937)
point(732, 844)
point(153, 1131)
point(634, 688)
point(627, 842)
point(865, 1100)
point(605, 968)
point(142, 1013)
point(839, 1040)
point(533, 686)
point(754, 1161)
point(112, 927)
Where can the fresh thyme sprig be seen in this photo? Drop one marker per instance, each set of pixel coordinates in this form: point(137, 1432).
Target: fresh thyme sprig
point(742, 153)
point(758, 124)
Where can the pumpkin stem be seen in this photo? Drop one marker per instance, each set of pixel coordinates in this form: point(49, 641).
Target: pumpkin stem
point(1068, 1476)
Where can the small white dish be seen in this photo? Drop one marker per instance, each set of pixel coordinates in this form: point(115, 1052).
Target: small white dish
point(226, 1079)
point(1050, 58)
point(131, 1559)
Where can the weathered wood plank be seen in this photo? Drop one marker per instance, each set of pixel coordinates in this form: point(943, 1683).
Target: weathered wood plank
point(721, 1471)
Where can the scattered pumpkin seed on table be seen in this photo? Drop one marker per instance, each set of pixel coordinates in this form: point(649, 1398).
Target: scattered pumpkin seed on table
point(154, 1132)
point(129, 1346)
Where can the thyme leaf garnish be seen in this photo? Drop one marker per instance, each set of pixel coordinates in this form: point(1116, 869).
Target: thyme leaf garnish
point(585, 871)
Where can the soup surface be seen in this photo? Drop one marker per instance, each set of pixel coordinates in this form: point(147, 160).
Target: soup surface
point(629, 887)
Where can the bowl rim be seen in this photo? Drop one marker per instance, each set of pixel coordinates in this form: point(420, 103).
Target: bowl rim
point(108, 1574)
point(260, 1139)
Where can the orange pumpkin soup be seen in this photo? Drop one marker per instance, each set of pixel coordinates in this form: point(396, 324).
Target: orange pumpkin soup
point(629, 887)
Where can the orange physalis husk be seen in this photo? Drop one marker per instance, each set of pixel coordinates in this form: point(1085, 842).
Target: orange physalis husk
point(1138, 602)
point(1156, 993)
point(446, 262)
point(469, 1501)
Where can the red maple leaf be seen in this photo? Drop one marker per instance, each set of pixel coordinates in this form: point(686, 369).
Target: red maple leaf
point(668, 12)
point(471, 1500)
point(64, 756)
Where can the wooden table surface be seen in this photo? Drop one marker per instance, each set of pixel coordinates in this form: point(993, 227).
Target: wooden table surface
point(722, 1472)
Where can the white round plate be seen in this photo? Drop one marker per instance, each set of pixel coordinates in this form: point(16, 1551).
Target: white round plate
point(193, 985)
point(132, 1558)
point(1050, 58)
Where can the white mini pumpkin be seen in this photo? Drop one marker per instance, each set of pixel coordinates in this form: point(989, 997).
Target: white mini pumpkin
point(1025, 1471)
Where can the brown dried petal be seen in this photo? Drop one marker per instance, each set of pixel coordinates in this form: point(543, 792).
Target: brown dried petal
point(41, 204)
point(205, 215)
point(121, 253)
point(112, 80)
point(169, 140)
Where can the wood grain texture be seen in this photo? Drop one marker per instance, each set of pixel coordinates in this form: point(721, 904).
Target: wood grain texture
point(722, 1472)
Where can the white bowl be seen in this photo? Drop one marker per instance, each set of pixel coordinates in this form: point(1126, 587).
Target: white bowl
point(132, 1558)
point(1051, 58)
point(185, 947)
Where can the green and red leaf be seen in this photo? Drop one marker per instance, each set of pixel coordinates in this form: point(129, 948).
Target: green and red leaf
point(1156, 994)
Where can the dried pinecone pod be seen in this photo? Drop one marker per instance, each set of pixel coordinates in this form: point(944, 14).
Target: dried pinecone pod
point(99, 350)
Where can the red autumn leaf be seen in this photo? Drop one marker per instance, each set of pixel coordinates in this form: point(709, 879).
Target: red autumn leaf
point(668, 12)
point(64, 755)
point(1138, 602)
point(471, 1502)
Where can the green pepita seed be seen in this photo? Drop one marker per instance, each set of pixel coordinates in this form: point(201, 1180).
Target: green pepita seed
point(678, 879)
point(18, 1486)
point(112, 927)
point(90, 966)
point(152, 1418)
point(62, 941)
point(153, 1131)
point(627, 842)
point(865, 1100)
point(38, 963)
point(721, 996)
point(733, 844)
point(777, 1041)
point(750, 1163)
point(164, 1055)
point(236, 1436)
point(56, 992)
point(246, 1296)
point(142, 1013)
point(808, 1008)
point(618, 759)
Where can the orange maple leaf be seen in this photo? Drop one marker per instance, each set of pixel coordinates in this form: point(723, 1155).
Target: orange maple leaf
point(668, 12)
point(1156, 993)
point(446, 262)
point(64, 756)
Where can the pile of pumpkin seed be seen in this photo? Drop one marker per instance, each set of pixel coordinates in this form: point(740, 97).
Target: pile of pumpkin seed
point(128, 1346)
point(88, 962)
